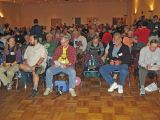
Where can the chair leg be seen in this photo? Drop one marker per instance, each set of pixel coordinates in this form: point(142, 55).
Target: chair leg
point(44, 84)
point(82, 81)
point(139, 85)
point(129, 82)
point(17, 83)
point(100, 82)
point(25, 86)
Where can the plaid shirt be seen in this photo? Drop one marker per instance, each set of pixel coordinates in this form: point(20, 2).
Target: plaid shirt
point(71, 54)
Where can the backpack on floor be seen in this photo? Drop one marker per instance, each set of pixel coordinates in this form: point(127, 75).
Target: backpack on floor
point(61, 86)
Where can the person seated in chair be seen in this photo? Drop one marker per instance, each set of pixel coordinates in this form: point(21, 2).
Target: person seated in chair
point(119, 58)
point(80, 43)
point(35, 58)
point(50, 46)
point(94, 52)
point(95, 46)
point(11, 57)
point(149, 60)
point(63, 60)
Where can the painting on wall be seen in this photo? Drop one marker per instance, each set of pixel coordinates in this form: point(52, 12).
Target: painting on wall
point(118, 20)
point(77, 20)
point(56, 21)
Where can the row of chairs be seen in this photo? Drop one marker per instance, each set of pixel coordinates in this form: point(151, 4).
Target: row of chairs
point(86, 74)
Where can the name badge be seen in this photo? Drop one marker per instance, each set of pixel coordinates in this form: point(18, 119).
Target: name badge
point(120, 54)
point(12, 53)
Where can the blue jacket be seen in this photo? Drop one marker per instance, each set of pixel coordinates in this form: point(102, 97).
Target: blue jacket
point(36, 30)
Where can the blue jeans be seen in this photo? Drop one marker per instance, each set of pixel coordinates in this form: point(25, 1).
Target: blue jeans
point(107, 69)
point(56, 70)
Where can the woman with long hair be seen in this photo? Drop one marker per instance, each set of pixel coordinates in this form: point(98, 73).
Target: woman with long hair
point(11, 57)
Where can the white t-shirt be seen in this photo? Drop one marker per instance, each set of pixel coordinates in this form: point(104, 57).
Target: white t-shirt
point(34, 53)
point(83, 43)
point(147, 57)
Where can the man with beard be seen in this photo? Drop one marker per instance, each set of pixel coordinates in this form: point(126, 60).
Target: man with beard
point(35, 58)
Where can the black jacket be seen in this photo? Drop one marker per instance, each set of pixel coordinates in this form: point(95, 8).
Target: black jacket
point(124, 54)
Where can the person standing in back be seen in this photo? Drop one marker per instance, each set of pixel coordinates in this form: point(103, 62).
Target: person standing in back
point(36, 30)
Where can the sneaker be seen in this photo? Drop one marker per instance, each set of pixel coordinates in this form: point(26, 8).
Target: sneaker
point(152, 87)
point(120, 89)
point(47, 91)
point(142, 91)
point(148, 88)
point(34, 93)
point(9, 86)
point(72, 92)
point(113, 87)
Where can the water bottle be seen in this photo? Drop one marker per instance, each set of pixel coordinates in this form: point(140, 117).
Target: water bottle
point(90, 62)
point(19, 74)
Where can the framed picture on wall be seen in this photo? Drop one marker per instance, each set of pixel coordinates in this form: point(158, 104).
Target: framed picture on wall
point(77, 20)
point(118, 20)
point(56, 21)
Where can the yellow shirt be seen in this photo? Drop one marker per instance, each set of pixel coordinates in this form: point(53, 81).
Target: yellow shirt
point(63, 58)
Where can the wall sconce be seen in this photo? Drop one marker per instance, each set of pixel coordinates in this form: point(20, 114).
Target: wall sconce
point(135, 6)
point(135, 11)
point(1, 15)
point(151, 6)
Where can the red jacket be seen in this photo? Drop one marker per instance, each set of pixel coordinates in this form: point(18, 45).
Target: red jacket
point(71, 54)
point(142, 34)
point(107, 37)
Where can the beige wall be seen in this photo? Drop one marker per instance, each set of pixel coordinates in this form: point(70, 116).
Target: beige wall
point(11, 14)
point(23, 15)
point(105, 11)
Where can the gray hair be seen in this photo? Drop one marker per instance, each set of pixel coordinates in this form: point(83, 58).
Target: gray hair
point(152, 37)
point(66, 37)
point(117, 34)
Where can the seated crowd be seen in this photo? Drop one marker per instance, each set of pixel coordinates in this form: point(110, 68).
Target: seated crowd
point(36, 52)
